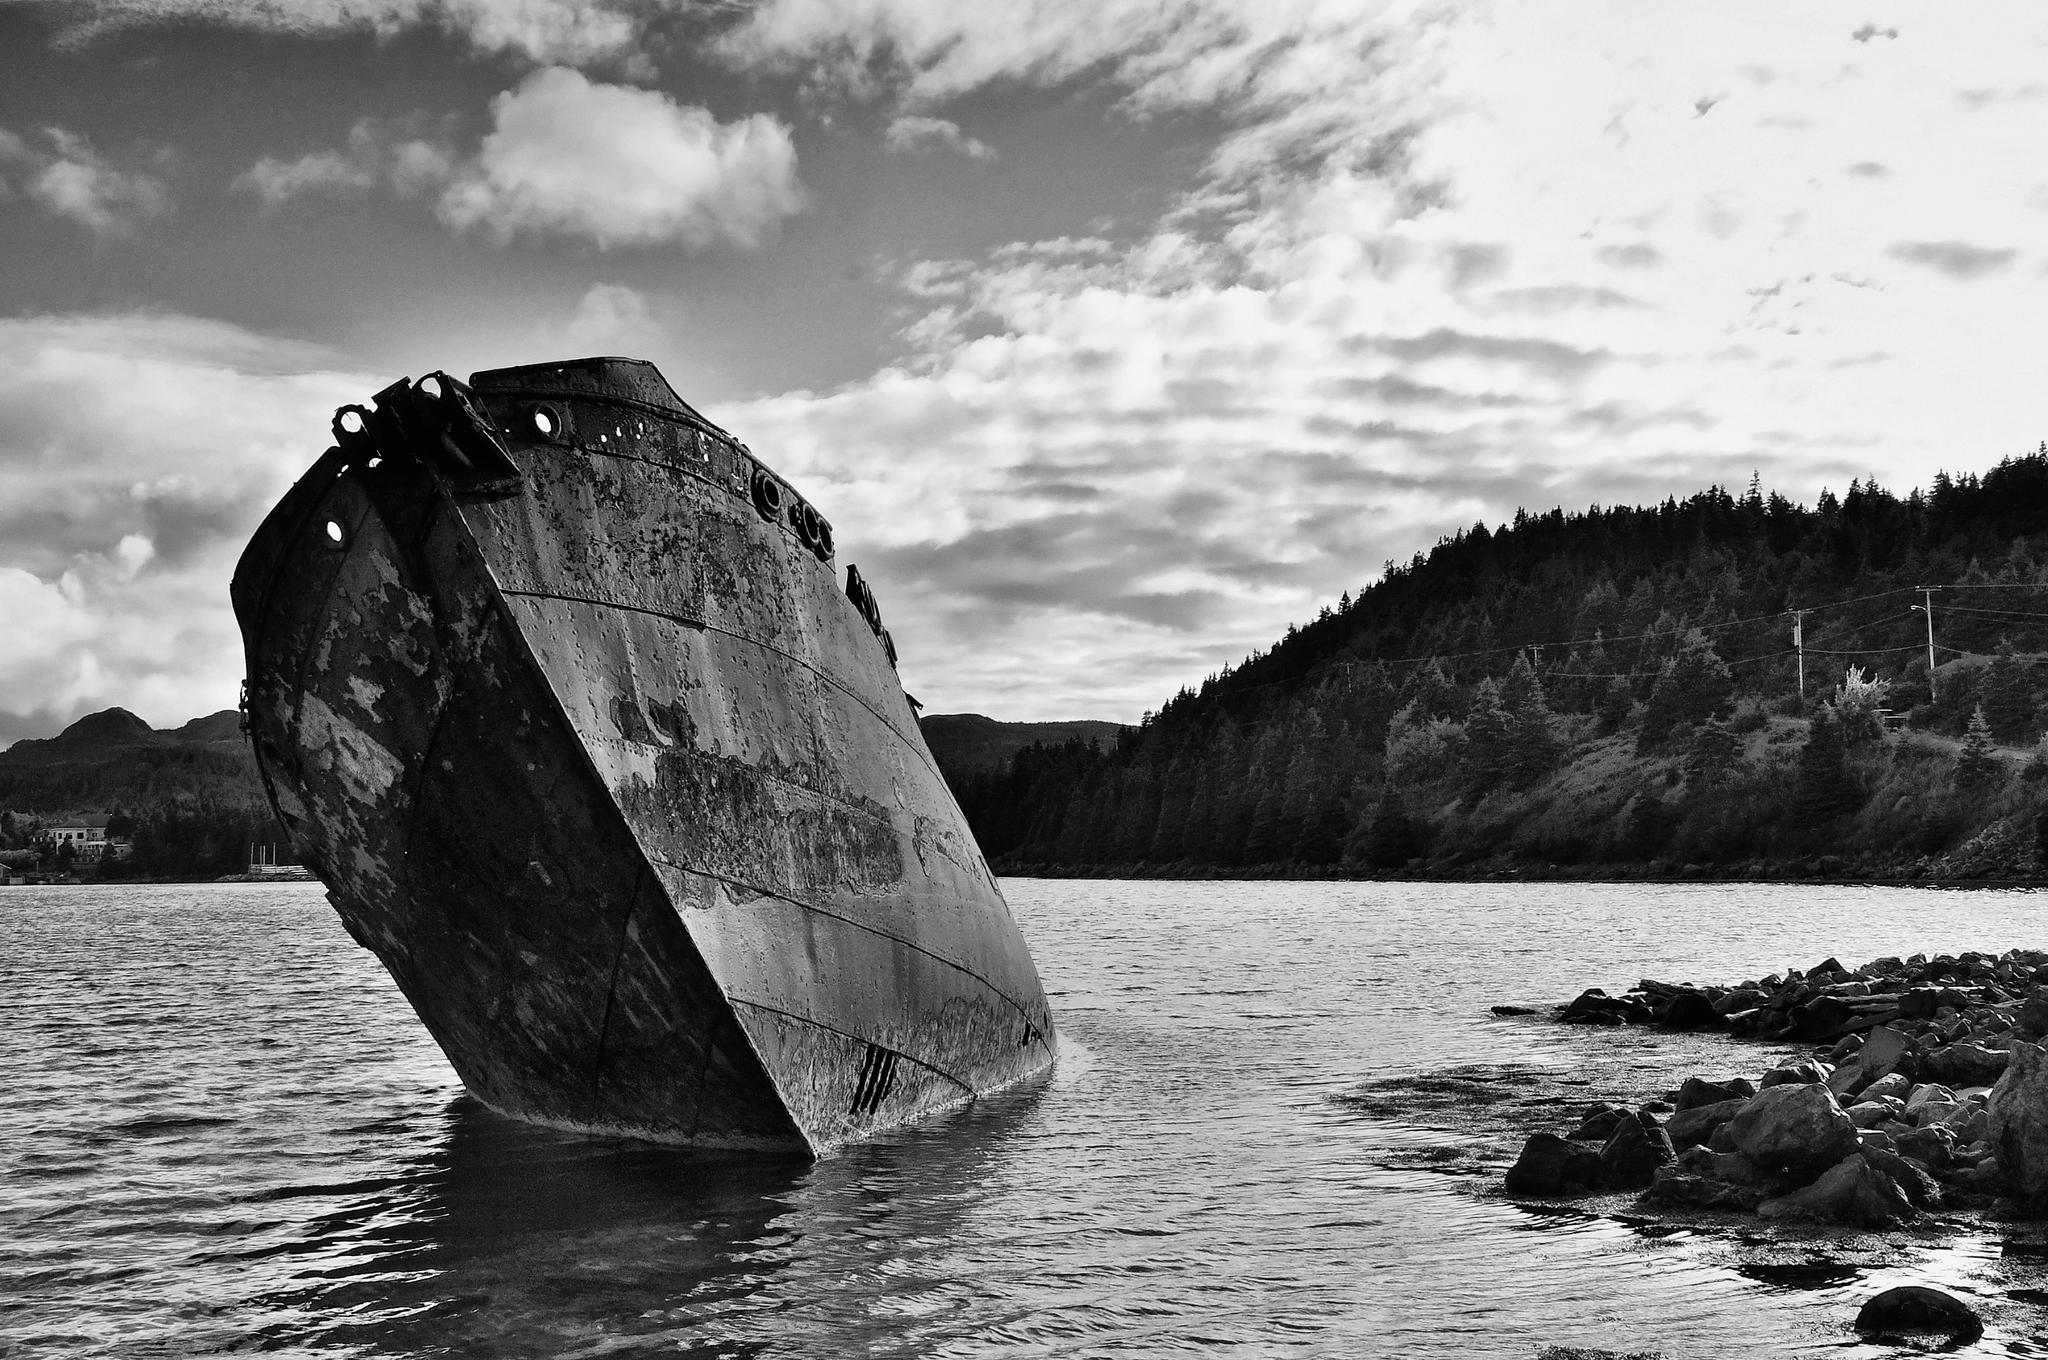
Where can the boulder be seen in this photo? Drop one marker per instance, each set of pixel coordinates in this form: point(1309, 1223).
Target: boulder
point(1963, 1064)
point(1852, 1191)
point(1808, 1072)
point(1882, 1049)
point(1912, 1309)
point(1935, 1147)
point(2019, 1123)
point(1550, 1165)
point(1697, 1124)
point(1919, 1184)
point(1595, 1007)
point(1793, 1129)
point(1927, 1091)
point(1870, 1113)
point(1689, 1010)
point(1599, 1124)
point(1890, 1086)
point(1932, 1112)
point(1637, 1147)
point(1695, 1093)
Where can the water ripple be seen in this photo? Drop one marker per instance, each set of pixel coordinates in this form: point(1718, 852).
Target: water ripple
point(1277, 1129)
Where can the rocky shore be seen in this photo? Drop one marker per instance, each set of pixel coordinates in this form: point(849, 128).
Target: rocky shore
point(1925, 1094)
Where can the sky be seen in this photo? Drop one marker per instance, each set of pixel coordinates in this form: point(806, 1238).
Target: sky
point(1112, 335)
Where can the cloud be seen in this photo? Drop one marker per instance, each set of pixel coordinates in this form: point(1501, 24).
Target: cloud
point(377, 152)
point(622, 167)
point(577, 32)
point(911, 134)
point(612, 319)
point(137, 453)
point(1384, 307)
point(1957, 259)
point(67, 178)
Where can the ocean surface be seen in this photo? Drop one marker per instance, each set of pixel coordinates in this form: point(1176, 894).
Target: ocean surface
point(1277, 1128)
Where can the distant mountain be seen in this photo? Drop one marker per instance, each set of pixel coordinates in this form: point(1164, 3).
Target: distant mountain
point(967, 744)
point(113, 759)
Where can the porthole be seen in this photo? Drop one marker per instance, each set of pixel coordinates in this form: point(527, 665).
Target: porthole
point(336, 535)
point(547, 422)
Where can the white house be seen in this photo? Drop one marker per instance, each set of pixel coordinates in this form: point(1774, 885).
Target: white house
point(86, 835)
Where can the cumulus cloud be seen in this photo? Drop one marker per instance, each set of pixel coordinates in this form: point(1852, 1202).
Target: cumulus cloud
point(1957, 259)
point(612, 318)
point(911, 134)
point(137, 453)
point(578, 32)
point(1518, 271)
point(62, 174)
point(378, 152)
point(620, 166)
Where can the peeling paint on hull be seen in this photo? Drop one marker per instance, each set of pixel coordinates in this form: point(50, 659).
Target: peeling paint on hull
point(555, 688)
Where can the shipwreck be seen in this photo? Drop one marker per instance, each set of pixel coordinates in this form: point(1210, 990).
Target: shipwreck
point(557, 688)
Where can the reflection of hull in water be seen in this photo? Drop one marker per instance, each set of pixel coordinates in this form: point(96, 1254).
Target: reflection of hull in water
point(555, 688)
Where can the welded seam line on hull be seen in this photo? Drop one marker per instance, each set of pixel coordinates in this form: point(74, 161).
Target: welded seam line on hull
point(834, 1029)
point(523, 648)
point(611, 985)
point(912, 945)
point(690, 622)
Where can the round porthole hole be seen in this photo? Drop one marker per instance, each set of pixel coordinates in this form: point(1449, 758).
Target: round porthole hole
point(335, 534)
point(545, 423)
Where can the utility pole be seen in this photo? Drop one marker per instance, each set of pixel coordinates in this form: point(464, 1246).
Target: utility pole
point(1799, 645)
point(1927, 592)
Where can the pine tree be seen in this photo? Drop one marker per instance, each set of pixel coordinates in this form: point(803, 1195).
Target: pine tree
point(1533, 745)
point(1692, 685)
point(1713, 753)
point(1489, 728)
point(1263, 843)
point(1388, 838)
point(1977, 762)
point(1198, 837)
point(1824, 790)
point(2008, 696)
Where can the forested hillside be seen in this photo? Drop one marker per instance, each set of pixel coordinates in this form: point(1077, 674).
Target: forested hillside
point(188, 798)
point(1616, 689)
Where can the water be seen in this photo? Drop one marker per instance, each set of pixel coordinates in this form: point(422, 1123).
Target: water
point(222, 1131)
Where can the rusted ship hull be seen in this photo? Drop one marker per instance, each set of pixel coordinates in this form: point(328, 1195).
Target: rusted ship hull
point(555, 687)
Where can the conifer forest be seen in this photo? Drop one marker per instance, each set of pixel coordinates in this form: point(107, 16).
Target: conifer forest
point(1725, 685)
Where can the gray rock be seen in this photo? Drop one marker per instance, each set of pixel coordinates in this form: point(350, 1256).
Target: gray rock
point(1869, 1114)
point(1638, 1146)
point(1916, 1180)
point(1852, 1191)
point(1797, 1074)
point(1882, 1049)
point(1696, 1093)
point(1697, 1125)
point(1935, 1147)
point(1599, 1123)
point(2019, 1123)
point(1793, 1129)
point(1891, 1086)
point(1912, 1309)
point(1927, 1091)
point(1550, 1165)
point(1963, 1064)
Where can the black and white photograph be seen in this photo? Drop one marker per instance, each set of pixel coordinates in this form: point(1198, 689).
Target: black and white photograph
point(794, 679)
